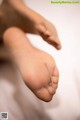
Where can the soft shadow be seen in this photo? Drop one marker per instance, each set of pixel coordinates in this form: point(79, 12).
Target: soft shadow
point(21, 101)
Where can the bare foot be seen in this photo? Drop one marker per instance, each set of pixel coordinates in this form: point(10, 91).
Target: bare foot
point(38, 68)
point(17, 14)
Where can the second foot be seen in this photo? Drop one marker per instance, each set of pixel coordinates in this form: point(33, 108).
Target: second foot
point(19, 15)
point(38, 69)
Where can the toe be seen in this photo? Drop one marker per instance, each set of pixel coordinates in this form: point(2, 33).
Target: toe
point(44, 33)
point(43, 94)
point(51, 90)
point(55, 72)
point(52, 86)
point(55, 79)
point(49, 34)
point(54, 41)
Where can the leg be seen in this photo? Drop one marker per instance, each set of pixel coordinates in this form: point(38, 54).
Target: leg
point(38, 68)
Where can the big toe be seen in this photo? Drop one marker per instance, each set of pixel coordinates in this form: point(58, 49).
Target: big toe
point(44, 94)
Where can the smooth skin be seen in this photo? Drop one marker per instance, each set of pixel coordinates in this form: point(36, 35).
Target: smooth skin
point(15, 13)
point(38, 69)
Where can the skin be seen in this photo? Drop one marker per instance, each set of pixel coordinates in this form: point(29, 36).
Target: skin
point(38, 69)
point(15, 13)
